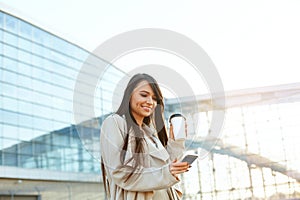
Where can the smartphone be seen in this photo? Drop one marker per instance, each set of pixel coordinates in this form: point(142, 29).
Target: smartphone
point(189, 159)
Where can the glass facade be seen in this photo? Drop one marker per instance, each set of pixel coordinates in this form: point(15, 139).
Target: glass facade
point(38, 71)
point(257, 154)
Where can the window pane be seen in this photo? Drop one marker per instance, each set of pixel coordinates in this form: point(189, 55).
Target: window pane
point(25, 29)
point(1, 19)
point(37, 35)
point(24, 56)
point(11, 23)
point(37, 49)
point(9, 104)
point(25, 134)
point(10, 39)
point(25, 120)
point(9, 51)
point(11, 132)
point(24, 44)
point(24, 69)
point(24, 81)
point(8, 90)
point(9, 117)
point(10, 77)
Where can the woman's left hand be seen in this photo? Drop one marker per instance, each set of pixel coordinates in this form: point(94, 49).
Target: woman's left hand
point(171, 132)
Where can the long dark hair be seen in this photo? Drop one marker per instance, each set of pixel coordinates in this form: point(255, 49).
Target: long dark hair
point(156, 118)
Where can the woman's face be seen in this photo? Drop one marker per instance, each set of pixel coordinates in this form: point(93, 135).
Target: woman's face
point(142, 102)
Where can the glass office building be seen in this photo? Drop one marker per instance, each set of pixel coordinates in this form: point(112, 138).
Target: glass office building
point(48, 153)
point(37, 128)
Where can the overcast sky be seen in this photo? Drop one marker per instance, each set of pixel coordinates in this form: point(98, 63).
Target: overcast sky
point(252, 43)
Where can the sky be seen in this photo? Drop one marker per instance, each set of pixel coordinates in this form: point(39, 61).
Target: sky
point(253, 43)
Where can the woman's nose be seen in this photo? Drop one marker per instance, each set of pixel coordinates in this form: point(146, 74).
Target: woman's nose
point(150, 100)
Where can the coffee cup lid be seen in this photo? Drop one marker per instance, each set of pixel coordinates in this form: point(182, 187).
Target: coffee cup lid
point(175, 115)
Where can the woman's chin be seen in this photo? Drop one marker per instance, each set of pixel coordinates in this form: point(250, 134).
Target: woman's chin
point(147, 114)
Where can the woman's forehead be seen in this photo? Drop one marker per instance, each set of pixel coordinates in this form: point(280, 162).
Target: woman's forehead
point(144, 86)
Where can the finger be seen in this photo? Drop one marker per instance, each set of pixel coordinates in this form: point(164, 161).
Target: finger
point(180, 169)
point(174, 165)
point(174, 168)
point(179, 172)
point(180, 164)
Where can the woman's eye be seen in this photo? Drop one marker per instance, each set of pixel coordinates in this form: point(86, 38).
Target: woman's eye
point(144, 95)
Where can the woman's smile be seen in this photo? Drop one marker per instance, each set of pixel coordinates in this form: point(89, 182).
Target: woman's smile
point(147, 108)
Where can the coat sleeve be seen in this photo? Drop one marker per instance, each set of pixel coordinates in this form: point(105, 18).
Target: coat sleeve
point(145, 179)
point(175, 148)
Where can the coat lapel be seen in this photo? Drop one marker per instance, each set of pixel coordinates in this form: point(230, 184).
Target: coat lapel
point(158, 151)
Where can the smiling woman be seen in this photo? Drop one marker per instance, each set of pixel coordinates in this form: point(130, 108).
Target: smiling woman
point(139, 161)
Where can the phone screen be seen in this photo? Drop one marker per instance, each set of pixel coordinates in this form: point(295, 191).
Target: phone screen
point(189, 159)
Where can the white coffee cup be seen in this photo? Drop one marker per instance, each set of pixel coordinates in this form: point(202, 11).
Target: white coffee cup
point(178, 122)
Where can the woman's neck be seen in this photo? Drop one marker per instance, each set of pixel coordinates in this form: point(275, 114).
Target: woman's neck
point(139, 120)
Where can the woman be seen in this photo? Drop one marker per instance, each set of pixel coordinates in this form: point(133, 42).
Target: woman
point(139, 161)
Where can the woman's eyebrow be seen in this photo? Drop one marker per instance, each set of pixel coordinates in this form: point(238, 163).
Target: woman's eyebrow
point(145, 91)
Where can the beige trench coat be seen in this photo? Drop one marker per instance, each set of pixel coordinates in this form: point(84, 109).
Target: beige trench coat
point(155, 181)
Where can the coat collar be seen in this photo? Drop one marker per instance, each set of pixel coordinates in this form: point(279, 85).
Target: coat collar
point(158, 152)
point(155, 150)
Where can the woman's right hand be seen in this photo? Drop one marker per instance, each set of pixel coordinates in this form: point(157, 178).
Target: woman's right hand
point(178, 168)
